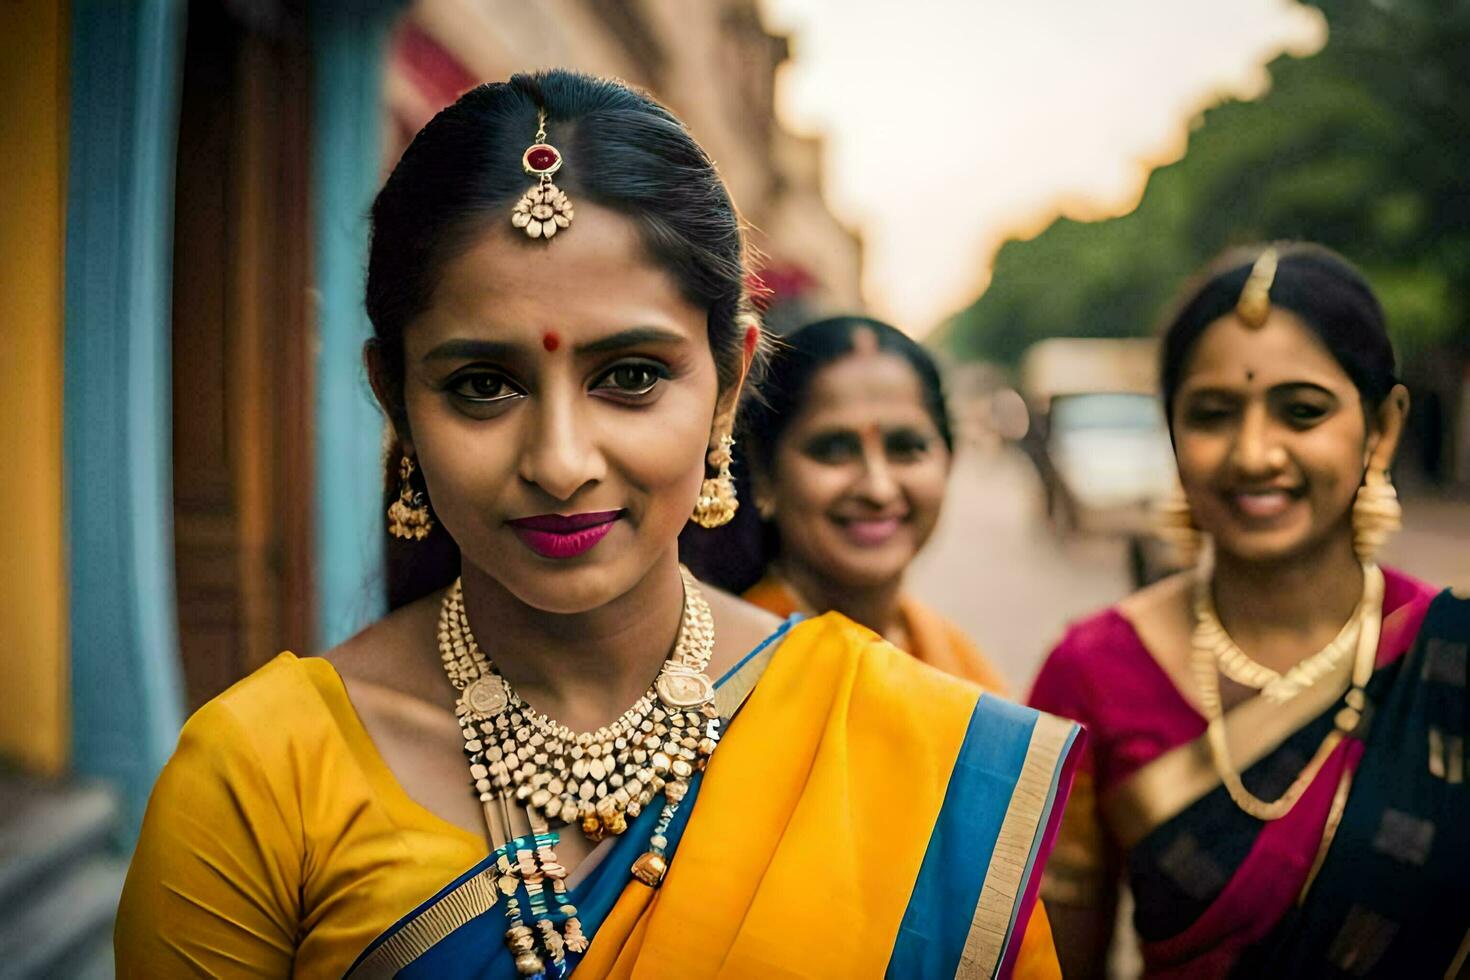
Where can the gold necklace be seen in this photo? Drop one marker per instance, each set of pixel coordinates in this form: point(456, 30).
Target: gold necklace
point(521, 760)
point(600, 777)
point(1235, 664)
point(1203, 660)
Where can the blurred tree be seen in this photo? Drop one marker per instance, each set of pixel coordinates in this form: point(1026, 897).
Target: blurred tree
point(1364, 147)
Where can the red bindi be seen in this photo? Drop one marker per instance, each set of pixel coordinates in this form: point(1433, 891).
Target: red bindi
point(752, 337)
point(550, 341)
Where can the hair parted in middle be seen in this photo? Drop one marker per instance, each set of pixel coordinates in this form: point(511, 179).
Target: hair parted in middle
point(805, 352)
point(1322, 288)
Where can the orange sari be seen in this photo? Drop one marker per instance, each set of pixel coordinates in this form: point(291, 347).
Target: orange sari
point(933, 639)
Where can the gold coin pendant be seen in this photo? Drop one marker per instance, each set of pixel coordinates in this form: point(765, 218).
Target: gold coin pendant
point(486, 696)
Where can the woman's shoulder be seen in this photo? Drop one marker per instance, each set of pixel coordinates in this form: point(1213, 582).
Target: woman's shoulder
point(1445, 628)
point(1405, 596)
point(1095, 640)
point(293, 702)
point(833, 649)
point(264, 713)
point(865, 658)
point(1101, 650)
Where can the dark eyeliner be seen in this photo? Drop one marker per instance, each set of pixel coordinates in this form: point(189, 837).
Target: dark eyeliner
point(454, 382)
point(659, 372)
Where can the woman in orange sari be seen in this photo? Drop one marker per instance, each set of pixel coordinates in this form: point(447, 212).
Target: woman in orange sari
point(561, 335)
point(850, 448)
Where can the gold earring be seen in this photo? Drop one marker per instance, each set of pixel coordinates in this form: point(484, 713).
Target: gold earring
point(408, 516)
point(1376, 514)
point(717, 502)
point(1177, 528)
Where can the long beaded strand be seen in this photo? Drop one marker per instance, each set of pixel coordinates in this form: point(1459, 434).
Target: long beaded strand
point(598, 778)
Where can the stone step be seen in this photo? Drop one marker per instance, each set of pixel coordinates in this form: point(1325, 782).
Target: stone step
point(59, 879)
point(43, 827)
point(63, 927)
point(92, 960)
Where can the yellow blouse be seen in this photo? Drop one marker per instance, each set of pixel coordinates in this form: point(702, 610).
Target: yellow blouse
point(277, 841)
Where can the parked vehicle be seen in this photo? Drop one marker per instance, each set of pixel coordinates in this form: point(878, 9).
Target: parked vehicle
point(1099, 441)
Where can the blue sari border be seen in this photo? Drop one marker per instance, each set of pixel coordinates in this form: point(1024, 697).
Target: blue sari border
point(1011, 753)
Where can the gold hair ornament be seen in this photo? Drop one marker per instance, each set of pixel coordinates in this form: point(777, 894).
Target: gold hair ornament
point(544, 208)
point(1254, 304)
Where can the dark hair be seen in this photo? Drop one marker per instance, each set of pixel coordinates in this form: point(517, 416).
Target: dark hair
point(804, 353)
point(462, 173)
point(1321, 287)
point(735, 557)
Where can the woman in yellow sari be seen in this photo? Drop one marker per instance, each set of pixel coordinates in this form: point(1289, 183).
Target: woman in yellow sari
point(556, 285)
point(850, 448)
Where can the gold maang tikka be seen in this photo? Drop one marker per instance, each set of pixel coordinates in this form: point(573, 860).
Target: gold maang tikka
point(1254, 304)
point(544, 208)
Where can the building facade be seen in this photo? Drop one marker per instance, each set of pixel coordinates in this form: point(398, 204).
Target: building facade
point(201, 467)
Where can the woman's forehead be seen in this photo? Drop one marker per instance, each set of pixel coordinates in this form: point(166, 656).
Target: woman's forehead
point(588, 280)
point(1283, 350)
point(867, 383)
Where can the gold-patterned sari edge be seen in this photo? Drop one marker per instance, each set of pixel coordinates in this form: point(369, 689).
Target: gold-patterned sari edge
point(474, 897)
point(477, 894)
point(1001, 891)
point(1161, 790)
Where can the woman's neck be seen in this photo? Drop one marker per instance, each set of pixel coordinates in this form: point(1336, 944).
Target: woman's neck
point(1283, 611)
point(876, 607)
point(582, 669)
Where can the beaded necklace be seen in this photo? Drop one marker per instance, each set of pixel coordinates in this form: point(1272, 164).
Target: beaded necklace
point(1363, 629)
point(522, 761)
point(1237, 665)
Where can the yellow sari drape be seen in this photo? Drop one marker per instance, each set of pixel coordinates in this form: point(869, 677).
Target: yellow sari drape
point(932, 638)
point(806, 839)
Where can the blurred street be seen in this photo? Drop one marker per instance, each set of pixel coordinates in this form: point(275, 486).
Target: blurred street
point(995, 567)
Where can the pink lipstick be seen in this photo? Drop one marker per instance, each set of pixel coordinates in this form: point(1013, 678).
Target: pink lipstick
point(871, 532)
point(564, 535)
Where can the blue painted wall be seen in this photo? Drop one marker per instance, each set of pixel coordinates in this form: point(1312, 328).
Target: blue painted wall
point(349, 43)
point(126, 686)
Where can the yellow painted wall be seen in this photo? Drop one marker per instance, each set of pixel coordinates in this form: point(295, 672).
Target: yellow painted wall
point(33, 128)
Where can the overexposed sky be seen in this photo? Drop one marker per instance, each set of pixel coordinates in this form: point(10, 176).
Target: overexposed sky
point(953, 125)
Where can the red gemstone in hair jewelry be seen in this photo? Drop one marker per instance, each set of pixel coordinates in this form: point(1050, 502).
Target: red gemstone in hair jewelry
point(541, 158)
point(752, 337)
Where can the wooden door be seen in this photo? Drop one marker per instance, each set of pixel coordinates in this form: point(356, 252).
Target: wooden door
point(242, 378)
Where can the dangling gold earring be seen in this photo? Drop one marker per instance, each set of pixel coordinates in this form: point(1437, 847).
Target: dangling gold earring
point(1177, 528)
point(408, 516)
point(1376, 514)
point(717, 502)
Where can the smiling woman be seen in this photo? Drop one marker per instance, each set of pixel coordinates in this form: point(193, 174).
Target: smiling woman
point(1275, 758)
point(851, 454)
point(559, 752)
